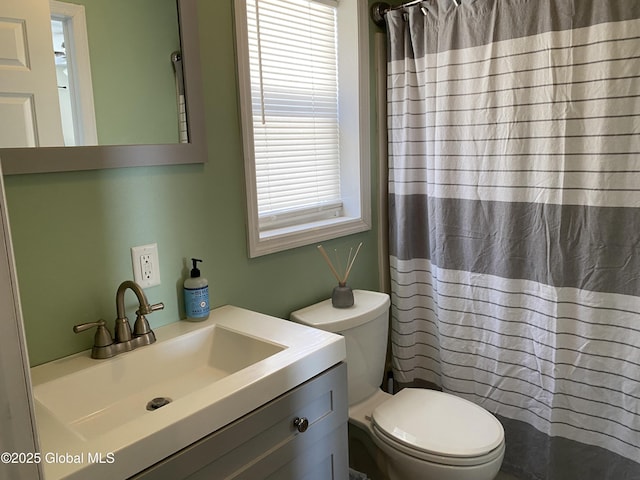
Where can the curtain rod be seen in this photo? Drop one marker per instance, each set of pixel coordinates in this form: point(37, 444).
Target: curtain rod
point(380, 9)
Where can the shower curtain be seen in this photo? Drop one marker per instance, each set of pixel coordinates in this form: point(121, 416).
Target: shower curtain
point(514, 210)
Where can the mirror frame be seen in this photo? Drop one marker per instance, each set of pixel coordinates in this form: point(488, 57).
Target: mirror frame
point(65, 159)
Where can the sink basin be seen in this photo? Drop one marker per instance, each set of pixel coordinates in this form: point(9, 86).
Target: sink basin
point(213, 373)
point(115, 392)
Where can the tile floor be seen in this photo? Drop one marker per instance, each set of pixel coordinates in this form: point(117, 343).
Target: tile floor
point(505, 476)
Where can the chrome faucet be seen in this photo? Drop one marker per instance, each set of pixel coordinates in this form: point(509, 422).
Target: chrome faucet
point(106, 347)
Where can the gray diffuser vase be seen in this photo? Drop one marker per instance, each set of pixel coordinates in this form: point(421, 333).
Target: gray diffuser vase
point(342, 296)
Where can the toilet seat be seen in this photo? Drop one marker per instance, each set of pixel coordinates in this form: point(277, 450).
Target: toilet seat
point(438, 428)
point(439, 459)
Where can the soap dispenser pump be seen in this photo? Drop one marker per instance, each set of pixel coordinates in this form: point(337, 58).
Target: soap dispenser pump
point(196, 295)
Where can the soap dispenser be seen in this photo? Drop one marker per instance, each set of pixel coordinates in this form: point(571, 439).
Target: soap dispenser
point(196, 295)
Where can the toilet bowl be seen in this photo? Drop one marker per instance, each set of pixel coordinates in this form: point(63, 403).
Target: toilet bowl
point(426, 434)
point(420, 434)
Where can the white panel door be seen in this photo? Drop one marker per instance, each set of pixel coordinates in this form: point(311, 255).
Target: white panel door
point(29, 106)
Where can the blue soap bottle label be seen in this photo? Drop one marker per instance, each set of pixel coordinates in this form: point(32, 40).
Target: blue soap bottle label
point(196, 302)
point(196, 294)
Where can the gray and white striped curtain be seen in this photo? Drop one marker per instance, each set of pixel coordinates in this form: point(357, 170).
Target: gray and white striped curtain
point(514, 187)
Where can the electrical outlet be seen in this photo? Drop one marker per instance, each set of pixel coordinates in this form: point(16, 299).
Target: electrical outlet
point(146, 266)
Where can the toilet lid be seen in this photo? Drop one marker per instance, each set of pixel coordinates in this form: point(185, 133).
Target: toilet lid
point(438, 423)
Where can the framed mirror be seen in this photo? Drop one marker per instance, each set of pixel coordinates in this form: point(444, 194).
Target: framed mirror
point(189, 146)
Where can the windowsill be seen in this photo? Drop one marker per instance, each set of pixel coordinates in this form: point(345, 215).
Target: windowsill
point(297, 236)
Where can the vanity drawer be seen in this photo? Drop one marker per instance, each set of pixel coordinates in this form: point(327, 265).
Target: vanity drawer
point(299, 435)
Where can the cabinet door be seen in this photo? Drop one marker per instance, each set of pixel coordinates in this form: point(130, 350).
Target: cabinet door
point(267, 444)
point(326, 459)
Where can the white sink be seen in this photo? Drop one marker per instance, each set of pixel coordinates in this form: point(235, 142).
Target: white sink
point(115, 392)
point(213, 372)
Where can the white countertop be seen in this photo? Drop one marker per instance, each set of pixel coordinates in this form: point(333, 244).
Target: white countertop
point(143, 441)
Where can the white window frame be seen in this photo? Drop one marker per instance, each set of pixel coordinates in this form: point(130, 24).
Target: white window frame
point(353, 65)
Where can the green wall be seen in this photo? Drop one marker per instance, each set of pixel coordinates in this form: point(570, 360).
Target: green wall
point(134, 88)
point(72, 231)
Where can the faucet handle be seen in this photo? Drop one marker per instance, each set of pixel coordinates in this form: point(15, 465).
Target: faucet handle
point(102, 337)
point(86, 326)
point(157, 306)
point(141, 330)
point(147, 309)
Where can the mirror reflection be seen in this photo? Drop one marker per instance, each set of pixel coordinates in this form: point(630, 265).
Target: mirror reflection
point(102, 72)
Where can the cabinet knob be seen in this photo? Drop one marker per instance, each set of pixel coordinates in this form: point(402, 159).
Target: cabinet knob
point(301, 424)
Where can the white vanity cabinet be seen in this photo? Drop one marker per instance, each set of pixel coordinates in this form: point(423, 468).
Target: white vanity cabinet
point(236, 383)
point(301, 435)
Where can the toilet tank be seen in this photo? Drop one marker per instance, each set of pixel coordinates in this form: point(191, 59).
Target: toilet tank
point(365, 327)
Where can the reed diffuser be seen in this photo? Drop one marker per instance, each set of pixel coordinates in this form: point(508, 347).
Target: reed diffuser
point(342, 296)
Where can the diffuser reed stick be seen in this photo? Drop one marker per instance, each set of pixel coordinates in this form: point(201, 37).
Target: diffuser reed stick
point(353, 260)
point(342, 279)
point(326, 257)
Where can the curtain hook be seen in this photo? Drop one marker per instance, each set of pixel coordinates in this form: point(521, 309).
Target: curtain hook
point(456, 2)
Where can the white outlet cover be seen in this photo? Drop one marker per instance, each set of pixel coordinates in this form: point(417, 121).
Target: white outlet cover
point(146, 265)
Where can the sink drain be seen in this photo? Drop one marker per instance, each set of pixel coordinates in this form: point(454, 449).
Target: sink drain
point(158, 402)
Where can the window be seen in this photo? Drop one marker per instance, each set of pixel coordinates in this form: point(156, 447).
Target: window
point(303, 75)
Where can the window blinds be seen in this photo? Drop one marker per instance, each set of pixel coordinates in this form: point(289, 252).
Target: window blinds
point(294, 86)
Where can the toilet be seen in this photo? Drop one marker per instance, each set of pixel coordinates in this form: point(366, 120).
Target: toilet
point(419, 434)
